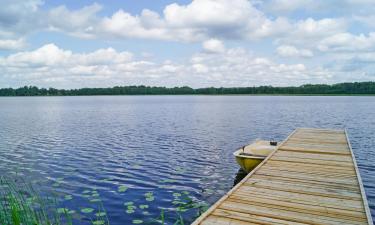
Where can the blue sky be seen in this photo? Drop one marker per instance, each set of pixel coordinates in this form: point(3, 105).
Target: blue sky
point(72, 44)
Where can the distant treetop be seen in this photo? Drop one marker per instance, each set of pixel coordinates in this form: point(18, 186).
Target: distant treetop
point(365, 88)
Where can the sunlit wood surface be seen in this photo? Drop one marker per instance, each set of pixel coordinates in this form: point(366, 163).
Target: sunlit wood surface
point(311, 179)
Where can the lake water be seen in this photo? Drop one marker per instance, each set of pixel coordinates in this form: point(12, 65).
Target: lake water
point(148, 151)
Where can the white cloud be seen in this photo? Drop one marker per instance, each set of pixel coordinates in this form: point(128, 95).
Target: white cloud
point(50, 65)
point(10, 44)
point(199, 20)
point(348, 42)
point(209, 13)
point(77, 22)
point(194, 22)
point(291, 51)
point(213, 46)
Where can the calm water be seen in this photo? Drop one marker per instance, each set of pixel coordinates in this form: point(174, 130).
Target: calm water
point(150, 149)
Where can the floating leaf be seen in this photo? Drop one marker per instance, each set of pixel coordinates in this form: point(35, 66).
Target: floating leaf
point(176, 194)
point(86, 191)
point(71, 211)
point(87, 210)
point(129, 211)
point(132, 207)
point(146, 213)
point(137, 221)
point(99, 214)
point(150, 199)
point(149, 194)
point(62, 210)
point(122, 188)
point(68, 197)
point(143, 206)
point(98, 222)
point(86, 196)
point(128, 203)
point(95, 195)
point(95, 200)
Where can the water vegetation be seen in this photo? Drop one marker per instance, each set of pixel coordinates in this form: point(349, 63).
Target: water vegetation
point(20, 204)
point(355, 88)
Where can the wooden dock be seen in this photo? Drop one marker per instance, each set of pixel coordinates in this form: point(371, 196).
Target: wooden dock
point(312, 178)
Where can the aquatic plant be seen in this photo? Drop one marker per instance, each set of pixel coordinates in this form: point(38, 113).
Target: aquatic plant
point(20, 204)
point(183, 203)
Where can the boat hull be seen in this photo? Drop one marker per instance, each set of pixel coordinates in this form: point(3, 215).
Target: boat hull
point(248, 164)
point(250, 156)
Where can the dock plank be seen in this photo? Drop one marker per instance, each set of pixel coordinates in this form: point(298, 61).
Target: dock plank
point(312, 178)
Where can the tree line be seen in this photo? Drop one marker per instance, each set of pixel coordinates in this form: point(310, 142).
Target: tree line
point(365, 88)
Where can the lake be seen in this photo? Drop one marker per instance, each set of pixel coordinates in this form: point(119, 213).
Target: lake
point(140, 156)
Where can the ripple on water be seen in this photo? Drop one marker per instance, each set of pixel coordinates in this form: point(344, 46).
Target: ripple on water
point(148, 150)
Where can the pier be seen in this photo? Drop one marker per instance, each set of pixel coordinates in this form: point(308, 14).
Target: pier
point(312, 178)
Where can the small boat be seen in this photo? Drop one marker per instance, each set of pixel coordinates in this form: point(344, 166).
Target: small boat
point(250, 156)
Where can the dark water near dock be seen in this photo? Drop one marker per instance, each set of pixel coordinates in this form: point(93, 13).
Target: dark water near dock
point(152, 150)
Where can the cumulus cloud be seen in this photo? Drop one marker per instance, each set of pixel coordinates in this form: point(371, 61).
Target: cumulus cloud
point(18, 17)
point(309, 32)
point(75, 22)
point(291, 51)
point(50, 65)
point(213, 46)
point(196, 21)
point(210, 22)
point(10, 44)
point(348, 42)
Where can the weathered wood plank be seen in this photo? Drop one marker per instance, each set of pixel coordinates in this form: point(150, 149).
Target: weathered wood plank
point(312, 178)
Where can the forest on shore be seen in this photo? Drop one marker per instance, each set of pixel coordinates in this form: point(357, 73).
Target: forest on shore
point(355, 88)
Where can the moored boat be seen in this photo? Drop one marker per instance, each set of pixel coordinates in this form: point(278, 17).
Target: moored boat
point(250, 156)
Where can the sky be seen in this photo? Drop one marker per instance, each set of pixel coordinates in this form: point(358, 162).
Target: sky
point(200, 43)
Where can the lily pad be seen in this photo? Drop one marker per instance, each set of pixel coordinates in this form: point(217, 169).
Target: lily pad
point(143, 206)
point(86, 191)
point(122, 188)
point(87, 210)
point(68, 197)
point(95, 200)
point(99, 214)
point(128, 203)
point(98, 222)
point(132, 207)
point(176, 194)
point(129, 211)
point(62, 210)
point(150, 199)
point(137, 221)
